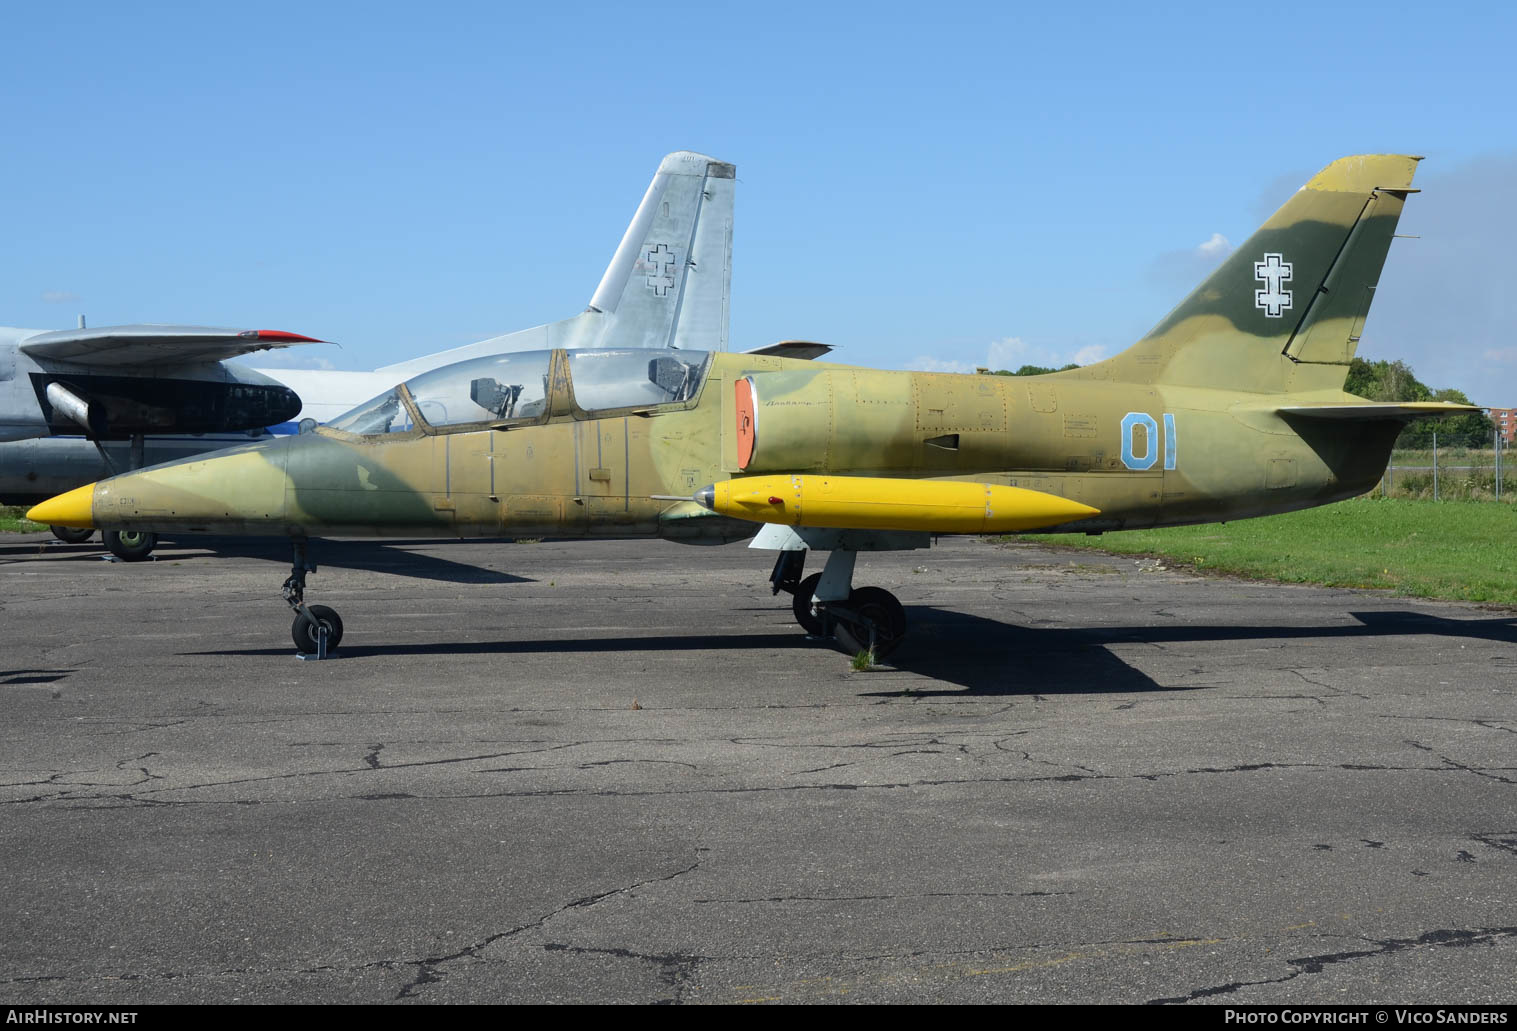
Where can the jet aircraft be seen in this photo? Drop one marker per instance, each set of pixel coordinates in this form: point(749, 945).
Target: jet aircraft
point(1232, 406)
point(123, 382)
point(667, 285)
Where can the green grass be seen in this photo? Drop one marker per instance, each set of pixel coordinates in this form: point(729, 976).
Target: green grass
point(11, 521)
point(1462, 551)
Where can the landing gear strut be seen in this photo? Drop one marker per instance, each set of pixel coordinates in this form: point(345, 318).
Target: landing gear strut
point(787, 577)
point(826, 604)
point(317, 629)
point(126, 545)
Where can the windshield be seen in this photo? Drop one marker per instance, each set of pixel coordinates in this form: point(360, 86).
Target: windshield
point(384, 414)
point(495, 388)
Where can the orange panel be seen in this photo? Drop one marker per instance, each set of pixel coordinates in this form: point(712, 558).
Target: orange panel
point(746, 430)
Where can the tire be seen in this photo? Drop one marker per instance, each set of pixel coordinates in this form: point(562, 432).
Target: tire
point(881, 607)
point(130, 545)
point(71, 535)
point(800, 604)
point(303, 631)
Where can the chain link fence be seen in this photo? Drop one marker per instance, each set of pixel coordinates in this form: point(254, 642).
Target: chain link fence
point(1450, 474)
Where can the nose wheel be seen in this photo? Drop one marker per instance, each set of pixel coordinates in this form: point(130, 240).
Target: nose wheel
point(317, 629)
point(308, 626)
point(130, 545)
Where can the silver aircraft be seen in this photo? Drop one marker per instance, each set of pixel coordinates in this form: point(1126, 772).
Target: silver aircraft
point(124, 382)
point(668, 285)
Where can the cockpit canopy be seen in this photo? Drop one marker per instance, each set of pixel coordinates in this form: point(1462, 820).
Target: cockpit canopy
point(517, 388)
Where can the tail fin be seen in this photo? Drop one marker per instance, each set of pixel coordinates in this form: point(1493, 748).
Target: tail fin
point(1283, 312)
point(670, 281)
point(668, 284)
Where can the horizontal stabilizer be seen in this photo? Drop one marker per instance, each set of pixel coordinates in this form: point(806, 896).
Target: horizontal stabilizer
point(805, 349)
point(121, 346)
point(1402, 410)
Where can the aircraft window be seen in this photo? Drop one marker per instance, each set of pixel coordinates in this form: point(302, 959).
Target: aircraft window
point(495, 388)
point(384, 414)
point(635, 378)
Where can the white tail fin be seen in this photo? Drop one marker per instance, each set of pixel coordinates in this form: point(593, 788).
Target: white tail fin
point(668, 284)
point(670, 278)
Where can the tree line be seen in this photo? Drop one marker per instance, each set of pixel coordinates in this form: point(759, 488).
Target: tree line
point(1394, 381)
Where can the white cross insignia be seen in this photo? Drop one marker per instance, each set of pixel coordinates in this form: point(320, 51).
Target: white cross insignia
point(659, 263)
point(1272, 272)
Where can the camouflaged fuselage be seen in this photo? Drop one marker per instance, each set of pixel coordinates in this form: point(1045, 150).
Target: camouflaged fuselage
point(1210, 455)
point(1231, 407)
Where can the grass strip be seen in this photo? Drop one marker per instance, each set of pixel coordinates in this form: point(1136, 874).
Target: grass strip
point(1460, 551)
point(12, 520)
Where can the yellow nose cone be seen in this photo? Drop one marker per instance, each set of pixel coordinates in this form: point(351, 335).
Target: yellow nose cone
point(76, 509)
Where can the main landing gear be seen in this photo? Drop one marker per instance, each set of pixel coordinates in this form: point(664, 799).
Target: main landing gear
point(317, 629)
point(826, 604)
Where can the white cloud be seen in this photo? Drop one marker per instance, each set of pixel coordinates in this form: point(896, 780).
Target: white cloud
point(1011, 353)
point(1501, 355)
point(925, 363)
point(1182, 270)
point(1215, 248)
point(59, 297)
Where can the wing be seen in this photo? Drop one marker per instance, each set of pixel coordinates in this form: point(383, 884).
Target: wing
point(120, 346)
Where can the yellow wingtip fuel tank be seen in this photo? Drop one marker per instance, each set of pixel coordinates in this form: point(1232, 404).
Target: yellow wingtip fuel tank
point(74, 509)
point(878, 503)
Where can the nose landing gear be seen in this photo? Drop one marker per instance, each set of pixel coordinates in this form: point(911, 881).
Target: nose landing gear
point(317, 629)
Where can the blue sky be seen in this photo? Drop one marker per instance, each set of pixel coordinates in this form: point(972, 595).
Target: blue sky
point(923, 185)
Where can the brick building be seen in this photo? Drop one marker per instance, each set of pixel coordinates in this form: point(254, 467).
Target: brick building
point(1506, 421)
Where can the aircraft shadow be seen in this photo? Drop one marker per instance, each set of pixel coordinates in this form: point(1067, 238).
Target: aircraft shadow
point(381, 556)
point(988, 657)
point(377, 556)
point(980, 656)
point(584, 645)
point(25, 677)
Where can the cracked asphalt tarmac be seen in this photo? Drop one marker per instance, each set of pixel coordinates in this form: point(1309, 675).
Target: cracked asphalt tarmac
point(618, 772)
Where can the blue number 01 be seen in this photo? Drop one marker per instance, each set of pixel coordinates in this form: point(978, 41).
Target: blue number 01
point(1130, 422)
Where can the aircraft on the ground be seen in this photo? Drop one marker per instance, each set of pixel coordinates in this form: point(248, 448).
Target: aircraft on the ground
point(1231, 407)
point(668, 285)
point(123, 382)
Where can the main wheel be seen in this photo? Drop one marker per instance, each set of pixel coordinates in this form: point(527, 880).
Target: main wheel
point(801, 603)
point(882, 609)
point(71, 535)
point(304, 631)
point(130, 545)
